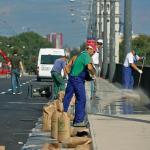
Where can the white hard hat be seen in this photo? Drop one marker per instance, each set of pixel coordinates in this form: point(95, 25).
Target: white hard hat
point(100, 41)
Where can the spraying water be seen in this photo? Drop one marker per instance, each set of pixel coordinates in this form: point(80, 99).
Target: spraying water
point(110, 94)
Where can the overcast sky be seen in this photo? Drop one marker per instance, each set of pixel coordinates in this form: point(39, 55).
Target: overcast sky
point(46, 16)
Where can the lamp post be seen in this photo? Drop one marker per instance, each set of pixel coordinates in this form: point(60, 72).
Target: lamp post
point(127, 26)
point(105, 47)
point(112, 64)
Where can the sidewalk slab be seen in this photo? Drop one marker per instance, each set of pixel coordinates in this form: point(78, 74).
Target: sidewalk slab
point(110, 133)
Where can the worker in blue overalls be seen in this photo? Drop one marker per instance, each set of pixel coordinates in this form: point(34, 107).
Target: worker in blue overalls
point(128, 66)
point(76, 84)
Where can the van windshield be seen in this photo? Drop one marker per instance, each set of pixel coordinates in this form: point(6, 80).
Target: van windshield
point(49, 59)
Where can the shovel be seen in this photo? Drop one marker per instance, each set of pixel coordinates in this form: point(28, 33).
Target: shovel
point(142, 70)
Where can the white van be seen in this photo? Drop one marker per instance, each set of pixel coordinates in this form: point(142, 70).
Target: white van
point(46, 59)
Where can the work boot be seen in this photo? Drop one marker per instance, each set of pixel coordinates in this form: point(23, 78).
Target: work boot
point(80, 124)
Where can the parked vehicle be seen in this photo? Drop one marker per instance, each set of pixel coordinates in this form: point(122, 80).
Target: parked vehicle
point(4, 66)
point(46, 59)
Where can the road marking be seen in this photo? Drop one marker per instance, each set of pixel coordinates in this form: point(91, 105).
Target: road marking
point(26, 103)
point(20, 86)
point(3, 93)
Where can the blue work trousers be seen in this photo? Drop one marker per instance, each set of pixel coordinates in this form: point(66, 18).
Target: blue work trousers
point(15, 80)
point(128, 79)
point(76, 85)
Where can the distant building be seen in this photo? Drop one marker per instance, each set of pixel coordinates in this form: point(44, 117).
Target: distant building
point(121, 37)
point(56, 39)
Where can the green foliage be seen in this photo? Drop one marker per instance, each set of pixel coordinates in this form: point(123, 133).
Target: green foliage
point(27, 44)
point(142, 43)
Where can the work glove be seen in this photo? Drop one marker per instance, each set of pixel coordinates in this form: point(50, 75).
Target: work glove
point(94, 77)
point(143, 58)
point(21, 74)
point(65, 77)
point(140, 71)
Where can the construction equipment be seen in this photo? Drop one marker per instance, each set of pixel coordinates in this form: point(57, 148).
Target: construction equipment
point(5, 67)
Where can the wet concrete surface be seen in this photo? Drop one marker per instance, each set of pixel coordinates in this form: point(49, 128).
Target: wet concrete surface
point(113, 100)
point(119, 119)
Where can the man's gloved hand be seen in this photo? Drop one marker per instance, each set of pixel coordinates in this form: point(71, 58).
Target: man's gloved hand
point(21, 74)
point(140, 71)
point(65, 77)
point(143, 58)
point(94, 77)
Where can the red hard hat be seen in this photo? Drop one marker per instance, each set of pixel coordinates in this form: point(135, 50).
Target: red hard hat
point(91, 44)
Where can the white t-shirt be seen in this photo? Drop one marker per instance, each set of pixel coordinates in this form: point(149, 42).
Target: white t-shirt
point(130, 59)
point(95, 58)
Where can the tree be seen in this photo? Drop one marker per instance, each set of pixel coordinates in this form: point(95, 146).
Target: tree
point(142, 43)
point(27, 44)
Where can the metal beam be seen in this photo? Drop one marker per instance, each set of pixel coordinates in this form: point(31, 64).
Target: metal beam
point(127, 26)
point(105, 47)
point(112, 65)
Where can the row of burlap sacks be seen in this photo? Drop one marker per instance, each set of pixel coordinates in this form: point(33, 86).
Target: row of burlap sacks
point(58, 122)
point(2, 147)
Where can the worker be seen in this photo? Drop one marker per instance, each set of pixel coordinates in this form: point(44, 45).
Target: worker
point(76, 84)
point(128, 67)
point(16, 73)
point(97, 61)
point(58, 79)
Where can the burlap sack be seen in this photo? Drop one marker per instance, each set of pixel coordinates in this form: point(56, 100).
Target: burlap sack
point(2, 147)
point(59, 105)
point(73, 142)
point(52, 146)
point(70, 63)
point(84, 147)
point(54, 124)
point(47, 114)
point(63, 127)
point(61, 95)
point(74, 130)
point(54, 104)
point(70, 116)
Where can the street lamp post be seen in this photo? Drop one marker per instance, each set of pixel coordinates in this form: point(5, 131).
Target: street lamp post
point(105, 47)
point(127, 26)
point(112, 64)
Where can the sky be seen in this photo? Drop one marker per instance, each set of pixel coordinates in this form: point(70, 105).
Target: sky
point(46, 16)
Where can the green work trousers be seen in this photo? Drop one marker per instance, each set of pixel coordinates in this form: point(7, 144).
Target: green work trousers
point(59, 83)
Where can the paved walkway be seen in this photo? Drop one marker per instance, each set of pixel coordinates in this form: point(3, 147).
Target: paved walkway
point(112, 130)
point(110, 133)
